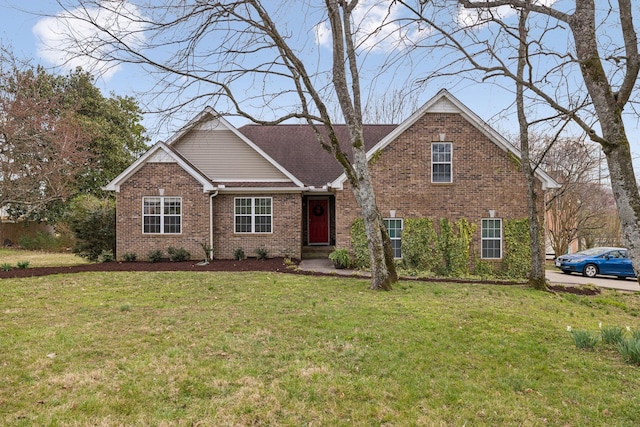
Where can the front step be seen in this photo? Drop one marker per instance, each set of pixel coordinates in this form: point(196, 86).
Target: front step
point(316, 252)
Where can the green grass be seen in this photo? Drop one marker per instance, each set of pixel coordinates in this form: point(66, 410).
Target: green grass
point(39, 259)
point(278, 349)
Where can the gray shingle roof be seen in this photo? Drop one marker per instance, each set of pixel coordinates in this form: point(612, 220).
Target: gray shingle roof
point(296, 148)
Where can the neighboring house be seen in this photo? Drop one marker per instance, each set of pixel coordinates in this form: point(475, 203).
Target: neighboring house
point(274, 187)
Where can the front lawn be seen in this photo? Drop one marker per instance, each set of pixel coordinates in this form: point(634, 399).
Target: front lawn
point(12, 257)
point(279, 349)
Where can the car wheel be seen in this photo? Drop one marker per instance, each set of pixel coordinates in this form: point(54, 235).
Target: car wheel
point(590, 270)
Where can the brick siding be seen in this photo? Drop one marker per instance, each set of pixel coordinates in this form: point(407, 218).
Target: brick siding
point(484, 177)
point(284, 241)
point(176, 183)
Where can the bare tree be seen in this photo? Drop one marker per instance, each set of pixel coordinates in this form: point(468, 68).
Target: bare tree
point(223, 47)
point(609, 70)
point(581, 206)
point(598, 45)
point(40, 140)
point(537, 278)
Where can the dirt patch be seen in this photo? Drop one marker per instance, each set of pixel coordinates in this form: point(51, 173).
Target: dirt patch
point(272, 264)
point(576, 290)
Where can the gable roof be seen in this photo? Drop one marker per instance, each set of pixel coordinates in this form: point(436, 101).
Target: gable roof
point(445, 102)
point(160, 153)
point(210, 114)
point(296, 147)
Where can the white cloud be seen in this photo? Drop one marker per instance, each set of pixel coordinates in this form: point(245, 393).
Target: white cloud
point(74, 39)
point(369, 17)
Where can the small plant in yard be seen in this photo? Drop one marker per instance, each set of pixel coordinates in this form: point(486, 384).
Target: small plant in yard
point(130, 257)
point(238, 254)
point(23, 264)
point(154, 255)
point(340, 258)
point(6, 266)
point(612, 334)
point(208, 252)
point(107, 256)
point(261, 253)
point(583, 339)
point(178, 254)
point(630, 350)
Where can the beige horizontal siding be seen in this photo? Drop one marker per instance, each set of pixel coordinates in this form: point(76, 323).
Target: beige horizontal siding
point(223, 156)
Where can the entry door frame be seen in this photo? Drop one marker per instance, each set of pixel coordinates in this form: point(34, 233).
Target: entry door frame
point(328, 219)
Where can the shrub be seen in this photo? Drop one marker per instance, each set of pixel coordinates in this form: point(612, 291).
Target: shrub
point(92, 221)
point(23, 264)
point(584, 339)
point(612, 334)
point(154, 255)
point(130, 257)
point(261, 253)
point(5, 266)
point(340, 258)
point(238, 254)
point(630, 350)
point(107, 256)
point(41, 241)
point(208, 251)
point(179, 254)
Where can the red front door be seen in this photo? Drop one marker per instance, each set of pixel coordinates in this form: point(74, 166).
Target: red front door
point(318, 220)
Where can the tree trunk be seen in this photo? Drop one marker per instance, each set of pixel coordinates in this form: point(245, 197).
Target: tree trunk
point(383, 268)
point(537, 279)
point(608, 105)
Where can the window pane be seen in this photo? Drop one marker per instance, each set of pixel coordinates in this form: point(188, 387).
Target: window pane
point(172, 224)
point(243, 224)
point(151, 224)
point(441, 173)
point(263, 224)
point(151, 206)
point(172, 206)
point(243, 206)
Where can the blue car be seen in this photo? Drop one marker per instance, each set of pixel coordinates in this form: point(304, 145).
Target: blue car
point(605, 261)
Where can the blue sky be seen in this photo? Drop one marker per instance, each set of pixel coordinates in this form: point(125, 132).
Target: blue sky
point(25, 32)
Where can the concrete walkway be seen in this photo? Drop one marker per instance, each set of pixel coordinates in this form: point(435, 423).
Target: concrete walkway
point(554, 277)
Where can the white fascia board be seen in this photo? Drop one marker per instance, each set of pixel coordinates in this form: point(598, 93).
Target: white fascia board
point(260, 190)
point(114, 185)
point(208, 111)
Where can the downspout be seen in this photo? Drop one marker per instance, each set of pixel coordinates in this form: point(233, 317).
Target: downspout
point(211, 196)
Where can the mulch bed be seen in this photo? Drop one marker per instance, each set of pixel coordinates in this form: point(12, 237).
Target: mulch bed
point(271, 264)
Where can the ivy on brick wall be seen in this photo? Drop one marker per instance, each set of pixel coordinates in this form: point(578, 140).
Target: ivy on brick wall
point(420, 250)
point(516, 263)
point(359, 244)
point(455, 244)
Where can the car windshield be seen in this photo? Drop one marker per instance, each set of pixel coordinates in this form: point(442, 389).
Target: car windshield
point(593, 251)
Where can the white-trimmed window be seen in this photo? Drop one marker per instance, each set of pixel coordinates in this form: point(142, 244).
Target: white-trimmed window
point(394, 227)
point(492, 238)
point(253, 214)
point(441, 162)
point(162, 215)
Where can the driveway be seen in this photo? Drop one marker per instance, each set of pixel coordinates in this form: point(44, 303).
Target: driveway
point(557, 277)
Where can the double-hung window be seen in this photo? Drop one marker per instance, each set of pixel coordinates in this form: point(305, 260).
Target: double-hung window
point(253, 214)
point(441, 162)
point(492, 238)
point(394, 227)
point(161, 215)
